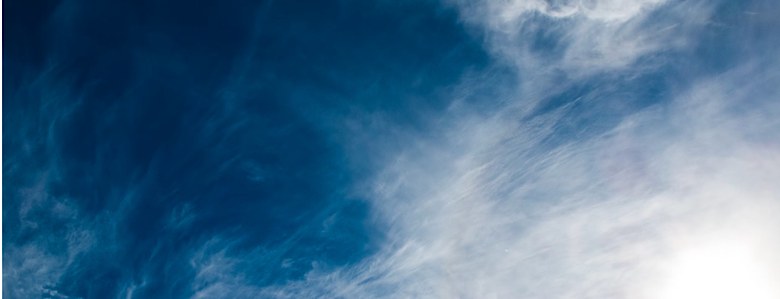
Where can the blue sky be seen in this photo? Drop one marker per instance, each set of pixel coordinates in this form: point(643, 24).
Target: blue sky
point(391, 149)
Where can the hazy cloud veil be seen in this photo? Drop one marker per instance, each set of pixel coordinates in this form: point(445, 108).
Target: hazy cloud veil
point(592, 146)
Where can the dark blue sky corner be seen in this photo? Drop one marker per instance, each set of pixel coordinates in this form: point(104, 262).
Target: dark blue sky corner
point(143, 136)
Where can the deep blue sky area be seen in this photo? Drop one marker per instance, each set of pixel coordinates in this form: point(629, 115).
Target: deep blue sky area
point(375, 149)
point(142, 113)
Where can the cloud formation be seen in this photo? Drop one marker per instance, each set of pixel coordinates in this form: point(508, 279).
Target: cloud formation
point(604, 140)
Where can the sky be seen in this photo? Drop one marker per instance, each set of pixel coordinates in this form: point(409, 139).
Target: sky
point(535, 149)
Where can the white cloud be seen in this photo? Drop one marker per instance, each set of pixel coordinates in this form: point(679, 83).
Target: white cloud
point(545, 40)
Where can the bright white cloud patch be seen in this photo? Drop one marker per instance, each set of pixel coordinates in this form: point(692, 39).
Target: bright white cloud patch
point(725, 268)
